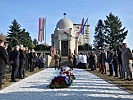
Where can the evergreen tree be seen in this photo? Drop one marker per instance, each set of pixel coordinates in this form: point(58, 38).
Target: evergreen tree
point(13, 34)
point(35, 42)
point(17, 36)
point(42, 47)
point(115, 34)
point(25, 39)
point(99, 37)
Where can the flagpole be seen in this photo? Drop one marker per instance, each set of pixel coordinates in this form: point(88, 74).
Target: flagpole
point(86, 22)
point(45, 30)
point(88, 36)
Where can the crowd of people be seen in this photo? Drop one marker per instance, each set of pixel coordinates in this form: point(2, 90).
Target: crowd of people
point(18, 59)
point(118, 62)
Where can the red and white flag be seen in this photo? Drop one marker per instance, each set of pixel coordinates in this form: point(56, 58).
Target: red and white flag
point(42, 22)
point(80, 29)
point(81, 26)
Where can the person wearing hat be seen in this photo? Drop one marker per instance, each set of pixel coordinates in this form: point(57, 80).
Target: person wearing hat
point(3, 57)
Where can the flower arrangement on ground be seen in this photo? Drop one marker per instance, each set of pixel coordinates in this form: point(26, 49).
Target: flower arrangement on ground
point(64, 79)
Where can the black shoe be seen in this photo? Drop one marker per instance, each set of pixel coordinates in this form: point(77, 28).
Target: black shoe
point(21, 78)
point(128, 79)
point(109, 75)
point(13, 81)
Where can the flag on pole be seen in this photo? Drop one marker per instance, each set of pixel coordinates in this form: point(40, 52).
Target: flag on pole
point(42, 22)
point(82, 31)
point(81, 26)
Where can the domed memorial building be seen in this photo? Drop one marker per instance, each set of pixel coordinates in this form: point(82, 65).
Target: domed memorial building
point(65, 37)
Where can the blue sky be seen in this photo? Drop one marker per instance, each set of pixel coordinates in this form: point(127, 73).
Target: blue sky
point(27, 12)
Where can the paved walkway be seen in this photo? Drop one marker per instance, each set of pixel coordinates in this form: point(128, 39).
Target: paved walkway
point(85, 87)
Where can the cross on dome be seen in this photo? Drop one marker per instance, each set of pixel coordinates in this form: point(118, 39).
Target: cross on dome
point(64, 15)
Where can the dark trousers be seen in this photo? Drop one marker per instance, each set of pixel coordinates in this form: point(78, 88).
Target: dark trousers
point(120, 70)
point(116, 69)
point(102, 68)
point(58, 67)
point(71, 64)
point(92, 65)
point(1, 77)
point(14, 72)
point(31, 67)
point(21, 69)
point(110, 69)
point(123, 71)
point(27, 64)
point(84, 65)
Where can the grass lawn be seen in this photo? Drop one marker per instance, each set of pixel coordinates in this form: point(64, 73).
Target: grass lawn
point(7, 78)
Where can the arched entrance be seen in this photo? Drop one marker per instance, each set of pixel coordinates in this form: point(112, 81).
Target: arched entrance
point(64, 48)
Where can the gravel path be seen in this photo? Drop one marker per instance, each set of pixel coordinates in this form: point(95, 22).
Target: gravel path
point(85, 87)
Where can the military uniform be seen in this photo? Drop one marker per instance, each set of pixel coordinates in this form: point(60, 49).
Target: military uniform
point(70, 60)
point(57, 59)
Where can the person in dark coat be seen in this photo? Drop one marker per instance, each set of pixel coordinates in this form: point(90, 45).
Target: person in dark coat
point(74, 61)
point(22, 58)
point(115, 63)
point(110, 62)
point(121, 69)
point(3, 58)
point(14, 60)
point(31, 60)
point(102, 62)
point(27, 58)
point(92, 61)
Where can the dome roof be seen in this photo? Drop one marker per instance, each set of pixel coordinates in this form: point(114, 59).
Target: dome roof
point(64, 23)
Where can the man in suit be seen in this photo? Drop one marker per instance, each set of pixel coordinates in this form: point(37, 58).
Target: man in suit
point(3, 58)
point(31, 60)
point(22, 58)
point(14, 60)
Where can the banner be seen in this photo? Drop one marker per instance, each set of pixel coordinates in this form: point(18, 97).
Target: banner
point(41, 29)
